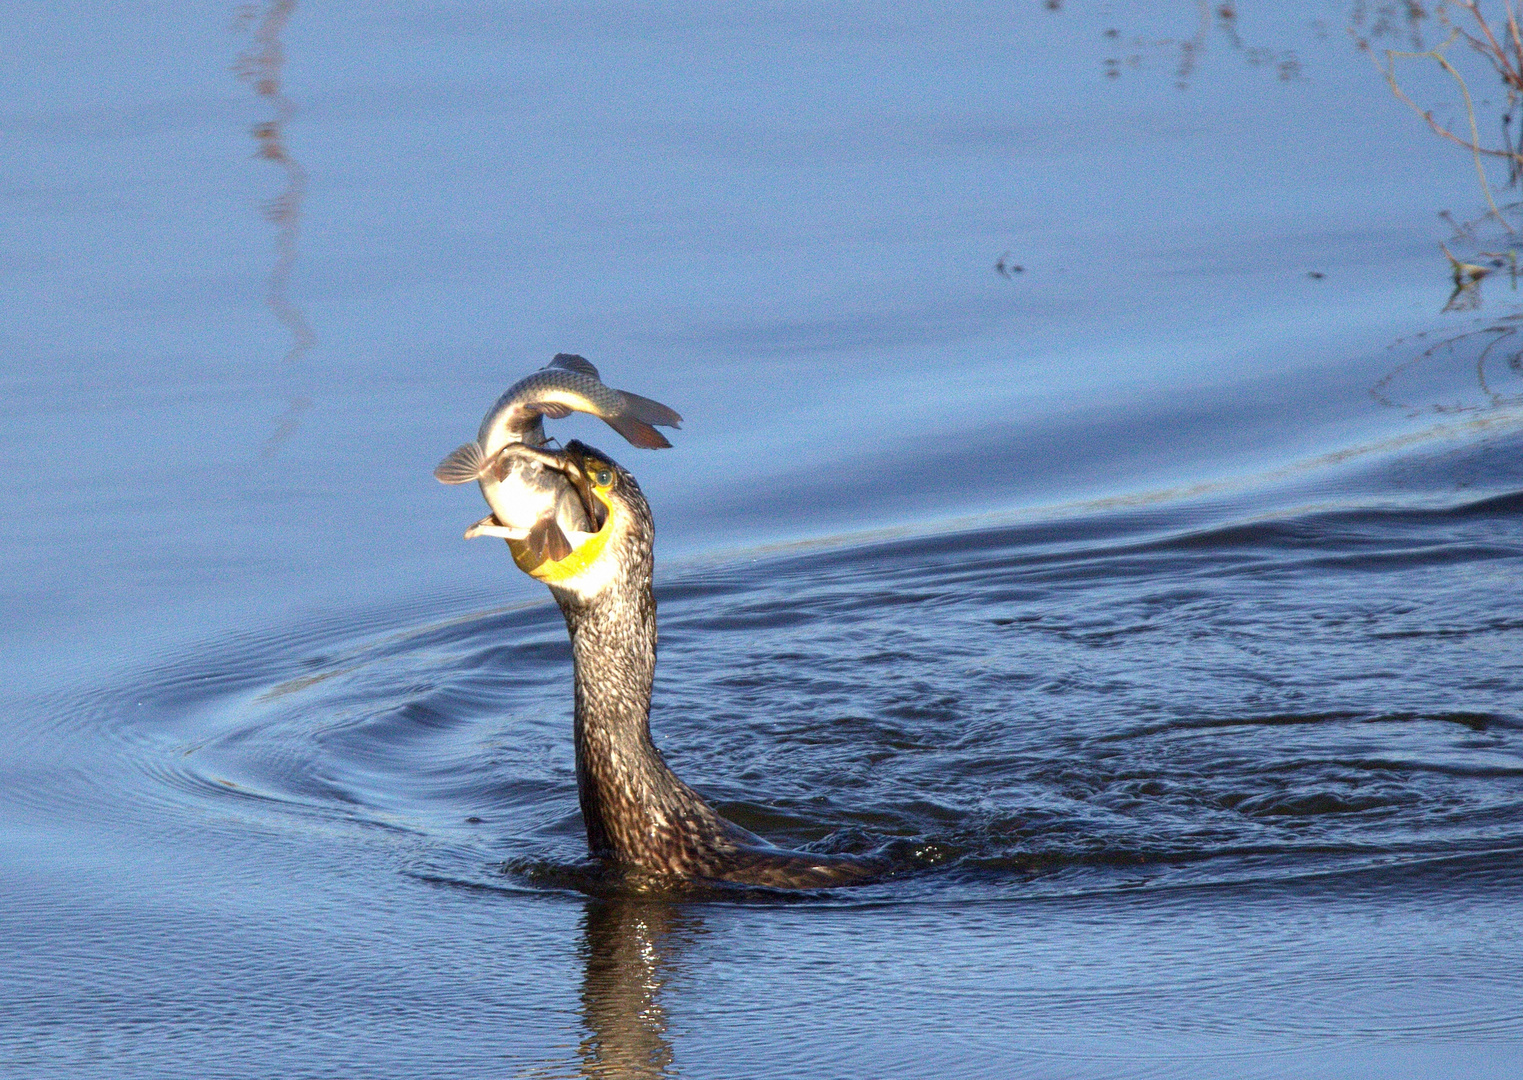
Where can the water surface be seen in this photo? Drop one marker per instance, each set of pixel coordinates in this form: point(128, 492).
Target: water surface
point(1150, 606)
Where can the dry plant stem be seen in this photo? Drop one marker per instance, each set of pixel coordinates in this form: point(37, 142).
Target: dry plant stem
point(1474, 144)
point(1464, 271)
point(1512, 28)
point(1511, 69)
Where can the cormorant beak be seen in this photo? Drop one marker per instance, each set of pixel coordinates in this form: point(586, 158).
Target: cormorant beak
point(597, 512)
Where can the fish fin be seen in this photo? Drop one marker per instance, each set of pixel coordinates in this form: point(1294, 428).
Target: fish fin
point(553, 410)
point(572, 362)
point(557, 547)
point(638, 432)
point(488, 526)
point(652, 412)
point(545, 541)
point(534, 544)
point(461, 467)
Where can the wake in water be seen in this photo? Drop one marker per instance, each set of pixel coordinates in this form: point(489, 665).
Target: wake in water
point(1088, 704)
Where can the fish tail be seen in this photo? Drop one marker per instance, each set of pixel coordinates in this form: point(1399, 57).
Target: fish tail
point(638, 432)
point(635, 418)
point(651, 412)
point(461, 467)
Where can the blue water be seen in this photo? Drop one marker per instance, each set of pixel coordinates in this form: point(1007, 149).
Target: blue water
point(1151, 606)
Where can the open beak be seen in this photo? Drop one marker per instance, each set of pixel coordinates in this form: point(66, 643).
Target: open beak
point(597, 513)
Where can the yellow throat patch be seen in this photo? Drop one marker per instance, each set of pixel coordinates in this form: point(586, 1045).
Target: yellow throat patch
point(552, 573)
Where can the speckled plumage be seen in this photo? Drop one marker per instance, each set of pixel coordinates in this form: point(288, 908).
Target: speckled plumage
point(640, 816)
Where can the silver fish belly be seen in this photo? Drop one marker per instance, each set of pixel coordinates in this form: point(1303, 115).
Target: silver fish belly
point(521, 492)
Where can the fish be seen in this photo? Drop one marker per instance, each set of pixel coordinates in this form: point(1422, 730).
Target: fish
point(532, 492)
point(567, 384)
point(540, 497)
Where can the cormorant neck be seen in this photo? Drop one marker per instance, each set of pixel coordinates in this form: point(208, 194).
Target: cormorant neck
point(633, 805)
point(639, 815)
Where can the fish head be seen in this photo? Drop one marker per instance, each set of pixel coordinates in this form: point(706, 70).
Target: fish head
point(618, 548)
point(520, 488)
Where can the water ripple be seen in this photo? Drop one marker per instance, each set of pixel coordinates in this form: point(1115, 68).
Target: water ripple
point(1253, 702)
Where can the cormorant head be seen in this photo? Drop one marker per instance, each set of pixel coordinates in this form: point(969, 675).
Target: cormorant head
point(618, 552)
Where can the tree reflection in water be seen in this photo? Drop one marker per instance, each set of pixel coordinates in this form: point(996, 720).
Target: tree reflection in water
point(263, 67)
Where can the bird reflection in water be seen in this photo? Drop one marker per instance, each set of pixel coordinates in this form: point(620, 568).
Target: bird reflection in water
point(629, 948)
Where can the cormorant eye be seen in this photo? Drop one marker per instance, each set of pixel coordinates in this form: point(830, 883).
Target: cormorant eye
point(603, 478)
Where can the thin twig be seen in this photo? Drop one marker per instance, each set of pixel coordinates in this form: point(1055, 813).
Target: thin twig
point(1512, 28)
point(1474, 145)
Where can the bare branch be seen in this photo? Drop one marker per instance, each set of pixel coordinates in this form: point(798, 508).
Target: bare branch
point(1474, 143)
